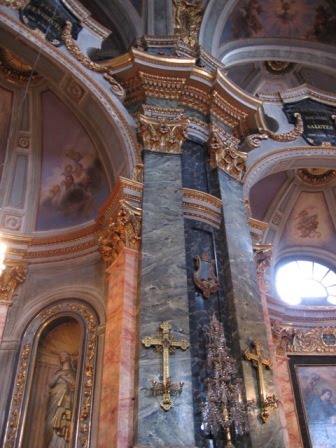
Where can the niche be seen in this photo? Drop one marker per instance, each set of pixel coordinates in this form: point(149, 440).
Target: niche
point(52, 405)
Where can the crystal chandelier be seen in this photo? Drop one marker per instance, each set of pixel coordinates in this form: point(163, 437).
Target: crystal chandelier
point(223, 409)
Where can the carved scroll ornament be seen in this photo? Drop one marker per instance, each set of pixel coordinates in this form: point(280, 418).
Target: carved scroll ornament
point(10, 279)
point(162, 135)
point(77, 53)
point(122, 230)
point(254, 140)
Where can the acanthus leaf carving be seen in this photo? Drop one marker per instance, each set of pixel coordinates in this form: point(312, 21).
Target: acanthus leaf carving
point(162, 134)
point(122, 230)
point(10, 279)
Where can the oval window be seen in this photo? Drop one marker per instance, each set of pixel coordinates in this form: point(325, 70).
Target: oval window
point(306, 282)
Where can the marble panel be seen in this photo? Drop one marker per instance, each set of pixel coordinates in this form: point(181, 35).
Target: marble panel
point(246, 314)
point(164, 297)
point(3, 316)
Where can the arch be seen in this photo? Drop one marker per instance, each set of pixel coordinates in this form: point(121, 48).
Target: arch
point(104, 113)
point(287, 159)
point(88, 319)
point(316, 55)
point(89, 296)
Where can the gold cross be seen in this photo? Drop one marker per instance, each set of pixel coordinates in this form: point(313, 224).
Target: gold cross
point(268, 402)
point(166, 344)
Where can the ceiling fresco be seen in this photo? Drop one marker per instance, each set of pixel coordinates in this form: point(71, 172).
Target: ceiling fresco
point(73, 184)
point(310, 223)
point(300, 19)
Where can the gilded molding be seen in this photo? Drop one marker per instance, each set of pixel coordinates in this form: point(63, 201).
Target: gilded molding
point(162, 135)
point(289, 339)
point(254, 140)
point(17, 398)
point(11, 277)
point(25, 363)
point(187, 20)
point(77, 53)
point(14, 4)
point(121, 230)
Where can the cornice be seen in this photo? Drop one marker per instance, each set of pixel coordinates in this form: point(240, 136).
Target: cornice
point(202, 207)
point(181, 79)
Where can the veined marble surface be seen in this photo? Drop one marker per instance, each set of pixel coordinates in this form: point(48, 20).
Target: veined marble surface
point(164, 297)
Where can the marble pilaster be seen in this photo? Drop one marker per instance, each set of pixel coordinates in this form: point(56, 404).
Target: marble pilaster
point(3, 315)
point(117, 398)
point(246, 315)
point(164, 297)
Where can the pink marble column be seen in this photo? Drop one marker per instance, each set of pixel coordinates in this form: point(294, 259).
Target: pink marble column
point(117, 399)
point(277, 381)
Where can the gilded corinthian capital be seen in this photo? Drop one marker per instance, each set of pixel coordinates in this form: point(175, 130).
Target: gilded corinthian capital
point(10, 279)
point(225, 155)
point(162, 134)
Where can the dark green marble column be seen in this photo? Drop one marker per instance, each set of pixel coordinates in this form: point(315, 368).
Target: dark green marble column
point(163, 297)
point(246, 315)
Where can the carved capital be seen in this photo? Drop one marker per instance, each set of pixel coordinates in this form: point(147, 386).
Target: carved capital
point(254, 140)
point(10, 279)
point(233, 162)
point(225, 155)
point(162, 134)
point(122, 230)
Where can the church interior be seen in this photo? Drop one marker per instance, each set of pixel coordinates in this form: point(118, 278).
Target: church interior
point(167, 223)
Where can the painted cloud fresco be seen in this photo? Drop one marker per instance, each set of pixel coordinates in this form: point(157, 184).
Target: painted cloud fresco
point(299, 19)
point(73, 184)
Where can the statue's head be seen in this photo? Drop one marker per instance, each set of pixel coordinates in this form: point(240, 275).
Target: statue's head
point(64, 357)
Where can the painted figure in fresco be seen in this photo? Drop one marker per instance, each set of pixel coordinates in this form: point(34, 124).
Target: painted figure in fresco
point(321, 415)
point(60, 404)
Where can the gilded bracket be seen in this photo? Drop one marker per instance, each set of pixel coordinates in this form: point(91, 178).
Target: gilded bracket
point(267, 402)
point(162, 134)
point(77, 53)
point(11, 277)
point(166, 344)
point(254, 140)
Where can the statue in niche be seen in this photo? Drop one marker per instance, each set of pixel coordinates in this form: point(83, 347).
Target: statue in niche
point(60, 404)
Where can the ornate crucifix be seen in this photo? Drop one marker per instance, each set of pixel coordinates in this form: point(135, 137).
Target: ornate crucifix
point(166, 344)
point(268, 402)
